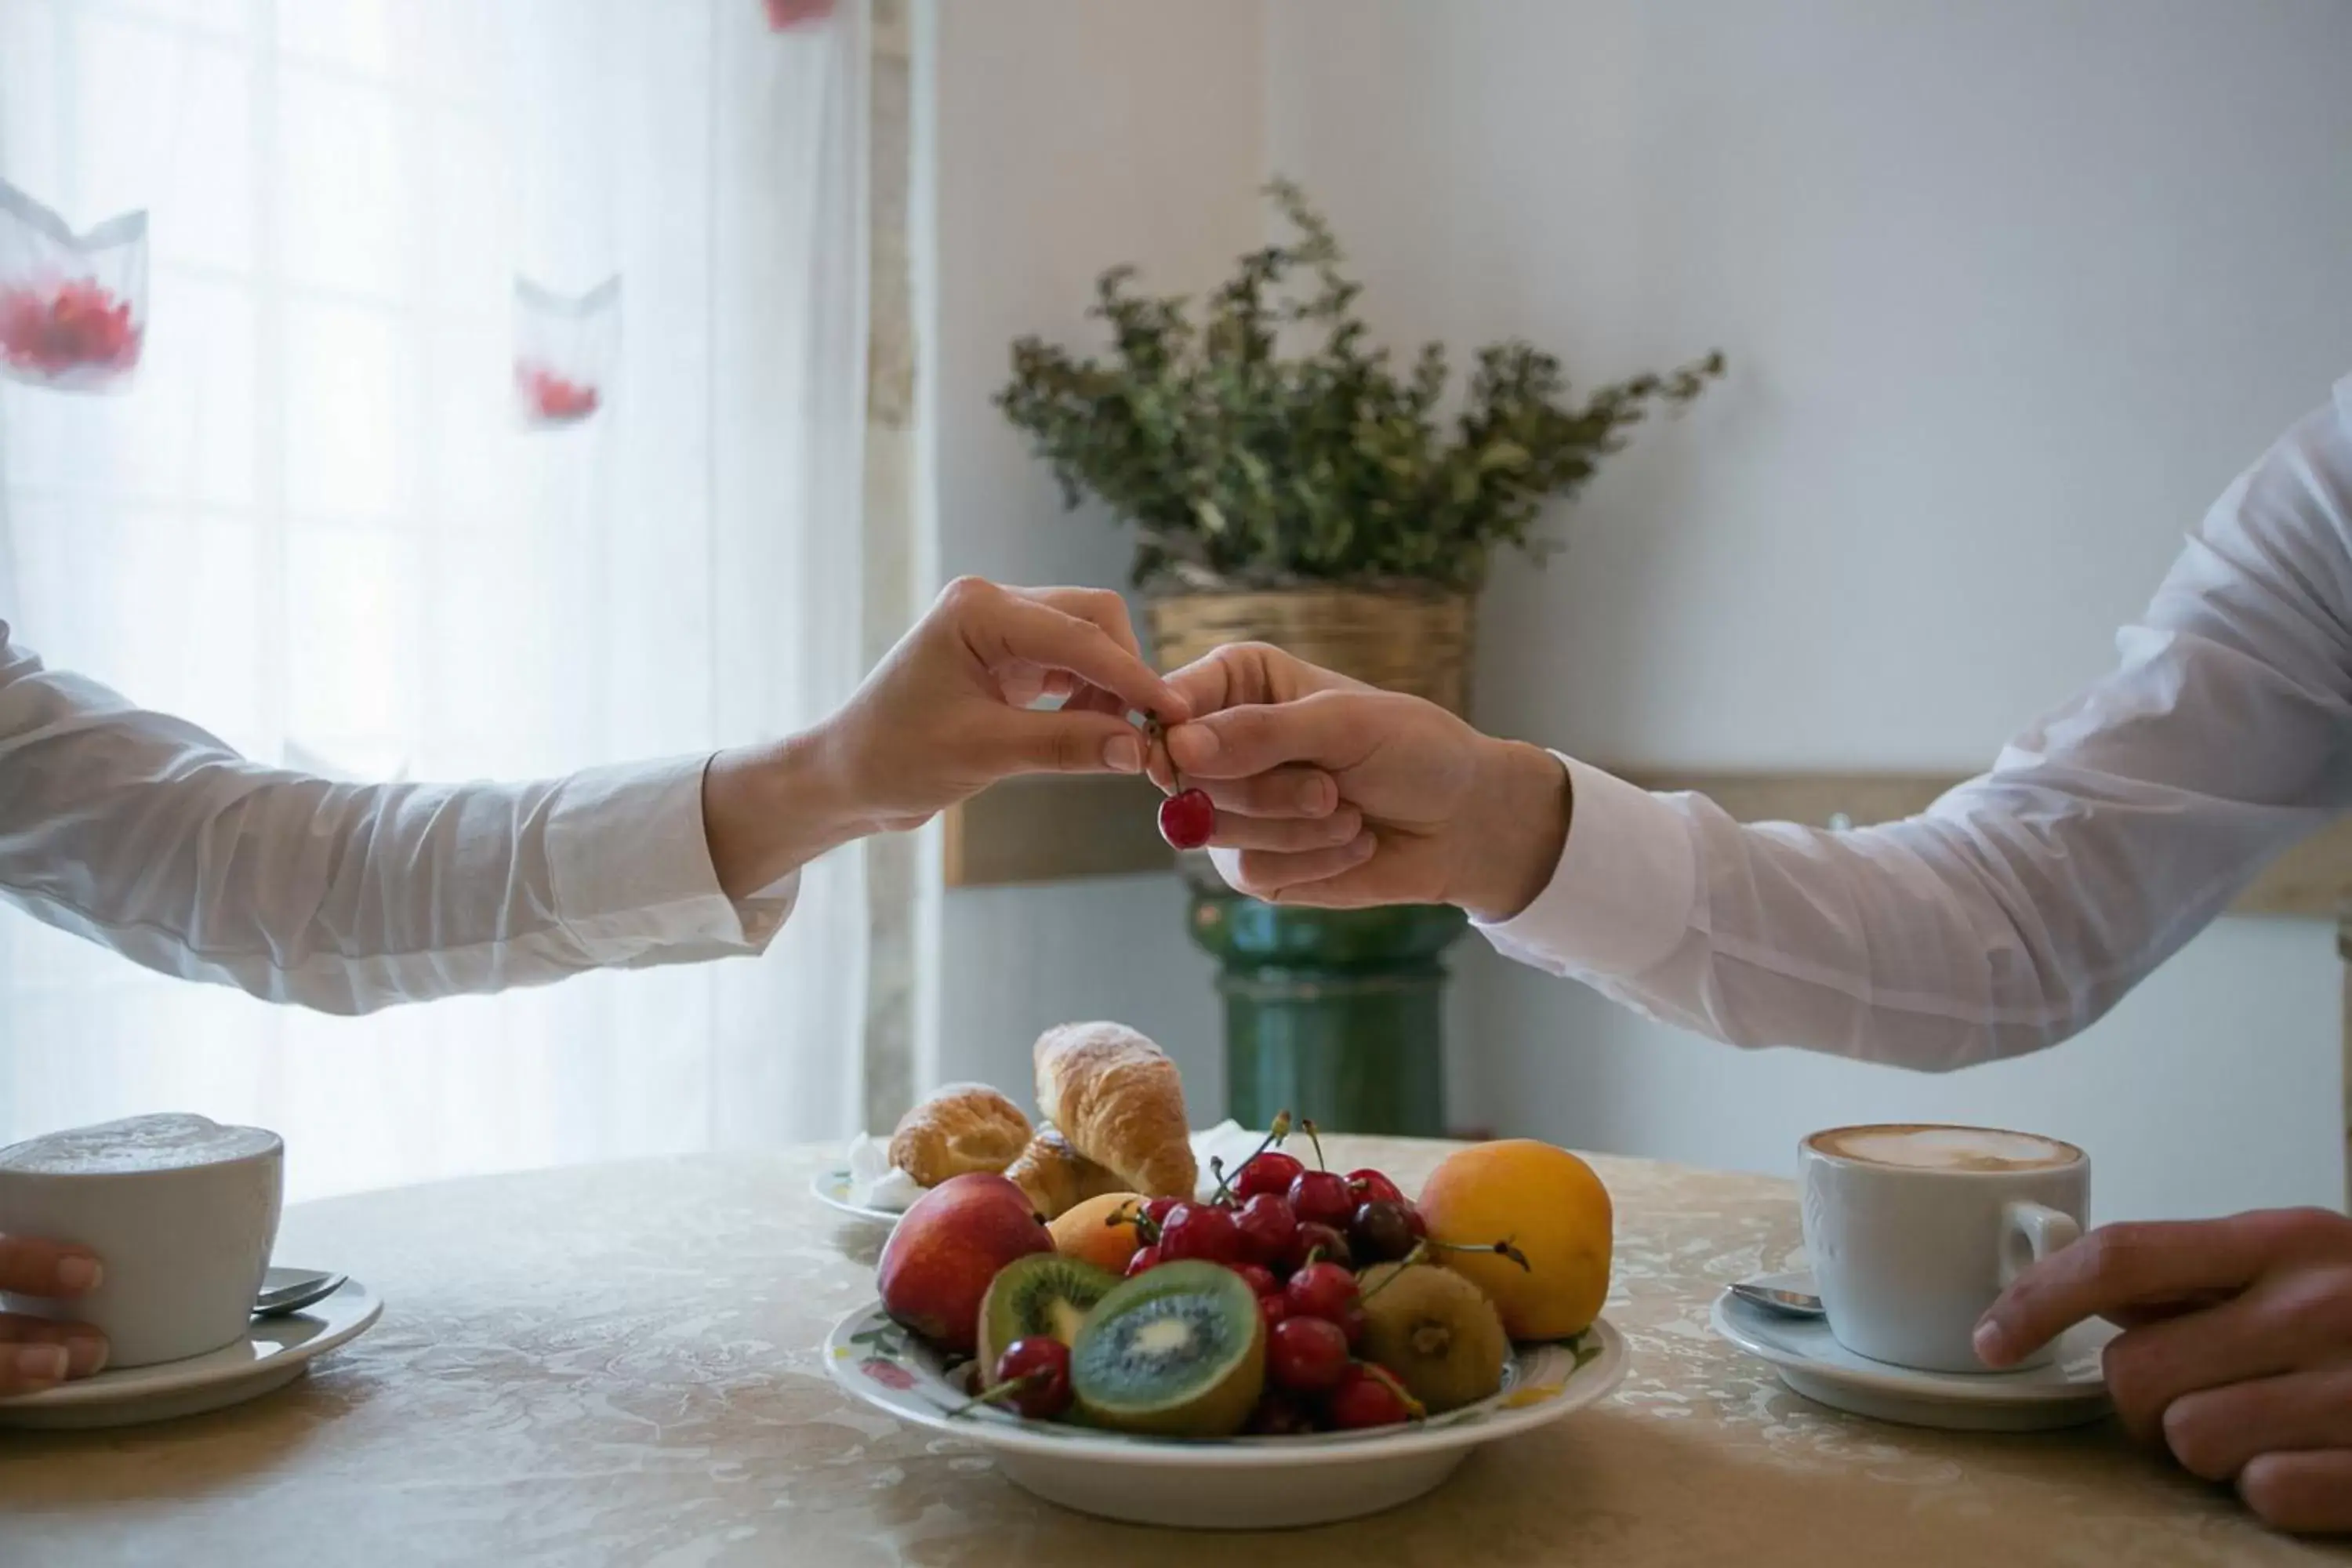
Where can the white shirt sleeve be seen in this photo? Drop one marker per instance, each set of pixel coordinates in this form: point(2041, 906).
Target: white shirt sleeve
point(2025, 903)
point(143, 833)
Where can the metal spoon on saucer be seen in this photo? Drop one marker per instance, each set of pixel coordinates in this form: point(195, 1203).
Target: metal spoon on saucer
point(278, 1298)
point(1772, 1299)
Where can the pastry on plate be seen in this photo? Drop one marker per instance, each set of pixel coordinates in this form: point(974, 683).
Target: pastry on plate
point(1120, 1102)
point(1057, 1177)
point(964, 1128)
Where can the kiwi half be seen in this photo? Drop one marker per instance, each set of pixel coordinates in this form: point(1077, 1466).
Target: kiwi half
point(1043, 1293)
point(1177, 1352)
point(1435, 1330)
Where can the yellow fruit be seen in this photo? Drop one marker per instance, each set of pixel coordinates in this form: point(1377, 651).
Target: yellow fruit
point(1087, 1231)
point(1546, 1203)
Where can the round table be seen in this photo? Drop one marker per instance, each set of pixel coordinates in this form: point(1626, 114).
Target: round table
point(619, 1364)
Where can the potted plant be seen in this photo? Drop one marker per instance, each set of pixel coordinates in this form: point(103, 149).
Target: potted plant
point(1289, 483)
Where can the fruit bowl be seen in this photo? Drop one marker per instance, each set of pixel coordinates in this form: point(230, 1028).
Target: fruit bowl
point(1238, 1483)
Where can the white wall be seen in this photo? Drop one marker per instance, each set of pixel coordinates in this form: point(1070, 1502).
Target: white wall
point(2011, 290)
point(1067, 136)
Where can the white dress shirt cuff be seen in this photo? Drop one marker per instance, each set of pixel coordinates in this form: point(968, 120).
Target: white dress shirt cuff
point(1620, 900)
point(629, 867)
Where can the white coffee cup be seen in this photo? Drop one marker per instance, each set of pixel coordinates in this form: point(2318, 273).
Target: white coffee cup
point(1914, 1229)
point(182, 1212)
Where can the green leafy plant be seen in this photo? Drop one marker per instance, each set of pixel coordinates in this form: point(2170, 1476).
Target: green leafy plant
point(1244, 465)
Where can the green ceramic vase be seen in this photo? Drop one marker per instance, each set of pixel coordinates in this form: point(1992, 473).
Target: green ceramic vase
point(1336, 1014)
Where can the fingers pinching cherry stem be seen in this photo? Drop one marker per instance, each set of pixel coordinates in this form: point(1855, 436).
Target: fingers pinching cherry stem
point(1188, 817)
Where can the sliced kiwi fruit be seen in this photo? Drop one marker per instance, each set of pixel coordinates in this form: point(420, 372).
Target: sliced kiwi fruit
point(1043, 1293)
point(1177, 1352)
point(1435, 1330)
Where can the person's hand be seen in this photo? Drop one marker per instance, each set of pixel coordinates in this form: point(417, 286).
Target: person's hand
point(943, 716)
point(2236, 1351)
point(35, 1352)
point(1339, 795)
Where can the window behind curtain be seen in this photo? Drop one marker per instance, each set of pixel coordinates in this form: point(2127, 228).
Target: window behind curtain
point(315, 527)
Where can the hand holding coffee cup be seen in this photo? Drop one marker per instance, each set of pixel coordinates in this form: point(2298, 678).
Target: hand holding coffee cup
point(1914, 1230)
point(37, 1352)
point(182, 1211)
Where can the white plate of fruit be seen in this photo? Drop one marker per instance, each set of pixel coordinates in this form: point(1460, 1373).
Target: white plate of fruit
point(1305, 1346)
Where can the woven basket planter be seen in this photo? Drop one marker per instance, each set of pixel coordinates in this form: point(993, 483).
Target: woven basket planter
point(1411, 640)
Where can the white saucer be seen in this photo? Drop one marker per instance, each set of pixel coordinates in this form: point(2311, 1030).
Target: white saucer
point(831, 1188)
point(274, 1354)
point(2069, 1392)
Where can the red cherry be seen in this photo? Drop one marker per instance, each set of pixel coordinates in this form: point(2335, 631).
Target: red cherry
point(1351, 1324)
point(1273, 1309)
point(1305, 1355)
point(1188, 819)
point(1262, 1281)
point(1364, 1398)
point(1201, 1231)
point(1278, 1415)
point(1266, 1227)
point(1271, 1172)
point(1368, 1186)
point(1381, 1232)
point(1322, 1196)
point(1157, 1210)
point(1144, 1258)
point(1321, 1290)
point(1313, 1241)
point(1045, 1362)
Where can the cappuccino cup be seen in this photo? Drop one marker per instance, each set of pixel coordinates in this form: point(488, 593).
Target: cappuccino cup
point(182, 1212)
point(1914, 1229)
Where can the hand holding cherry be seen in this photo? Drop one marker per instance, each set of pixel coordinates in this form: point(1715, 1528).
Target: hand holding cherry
point(945, 714)
point(1335, 795)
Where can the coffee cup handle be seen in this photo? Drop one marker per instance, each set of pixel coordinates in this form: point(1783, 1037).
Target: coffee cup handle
point(2032, 1232)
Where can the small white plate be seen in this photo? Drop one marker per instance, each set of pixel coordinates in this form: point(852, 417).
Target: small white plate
point(831, 1188)
point(1236, 1483)
point(274, 1352)
point(2068, 1392)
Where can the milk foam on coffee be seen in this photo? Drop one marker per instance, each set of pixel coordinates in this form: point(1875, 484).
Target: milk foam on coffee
point(1946, 1148)
point(138, 1143)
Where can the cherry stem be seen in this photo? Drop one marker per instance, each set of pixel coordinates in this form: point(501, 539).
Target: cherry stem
point(1155, 738)
point(1418, 1255)
point(1309, 1128)
point(1146, 1232)
point(1502, 1248)
point(1414, 1410)
point(1010, 1389)
point(1275, 1134)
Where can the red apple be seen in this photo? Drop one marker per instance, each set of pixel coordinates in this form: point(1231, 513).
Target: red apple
point(947, 1247)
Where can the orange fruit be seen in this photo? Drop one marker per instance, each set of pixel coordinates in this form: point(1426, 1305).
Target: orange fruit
point(1087, 1231)
point(1546, 1203)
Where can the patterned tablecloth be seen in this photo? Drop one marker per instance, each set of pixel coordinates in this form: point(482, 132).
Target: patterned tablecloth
point(619, 1364)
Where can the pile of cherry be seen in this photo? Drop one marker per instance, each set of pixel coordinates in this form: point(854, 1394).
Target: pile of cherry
point(1297, 1236)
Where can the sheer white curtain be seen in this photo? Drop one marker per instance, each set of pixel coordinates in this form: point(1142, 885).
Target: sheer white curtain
point(315, 526)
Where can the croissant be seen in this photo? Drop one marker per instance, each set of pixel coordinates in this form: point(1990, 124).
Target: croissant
point(1120, 1102)
point(1057, 1177)
point(964, 1127)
